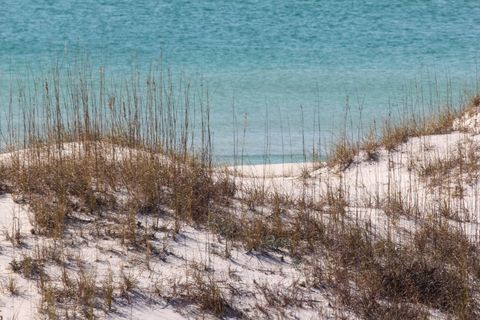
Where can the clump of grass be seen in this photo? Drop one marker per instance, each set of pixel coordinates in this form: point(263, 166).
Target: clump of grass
point(334, 202)
point(15, 237)
point(342, 154)
point(12, 286)
point(471, 107)
point(261, 235)
point(439, 168)
point(254, 196)
point(423, 281)
point(370, 146)
point(48, 303)
point(394, 135)
point(86, 293)
point(28, 267)
point(464, 163)
point(395, 205)
point(228, 187)
point(108, 288)
point(440, 122)
point(280, 297)
point(208, 294)
point(128, 283)
point(412, 274)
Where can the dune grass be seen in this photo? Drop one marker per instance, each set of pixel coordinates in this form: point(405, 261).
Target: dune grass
point(112, 153)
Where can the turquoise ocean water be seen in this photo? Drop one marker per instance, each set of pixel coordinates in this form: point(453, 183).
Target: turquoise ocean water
point(282, 64)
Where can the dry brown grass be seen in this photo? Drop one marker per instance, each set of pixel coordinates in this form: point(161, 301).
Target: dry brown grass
point(28, 267)
point(112, 158)
point(409, 276)
point(277, 298)
point(463, 163)
point(471, 107)
point(131, 160)
point(342, 154)
point(108, 288)
point(12, 286)
point(370, 145)
point(396, 205)
point(207, 293)
point(396, 132)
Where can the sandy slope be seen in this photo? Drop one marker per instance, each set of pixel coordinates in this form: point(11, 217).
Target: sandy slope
point(168, 267)
point(365, 183)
